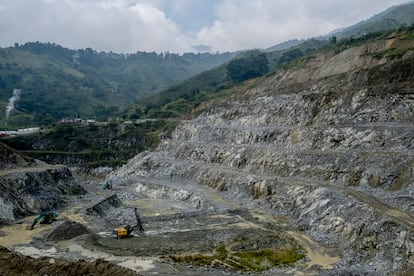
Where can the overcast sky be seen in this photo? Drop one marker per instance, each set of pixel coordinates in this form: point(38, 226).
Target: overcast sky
point(128, 26)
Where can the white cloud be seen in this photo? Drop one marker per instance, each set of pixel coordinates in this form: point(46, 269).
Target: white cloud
point(245, 24)
point(166, 25)
point(119, 26)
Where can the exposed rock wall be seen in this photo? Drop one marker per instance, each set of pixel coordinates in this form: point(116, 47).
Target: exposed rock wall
point(25, 191)
point(329, 143)
point(11, 159)
point(80, 158)
point(12, 205)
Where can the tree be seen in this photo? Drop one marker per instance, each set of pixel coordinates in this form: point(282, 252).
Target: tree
point(290, 56)
point(246, 66)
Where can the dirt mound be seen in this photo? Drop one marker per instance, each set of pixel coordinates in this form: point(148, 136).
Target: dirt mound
point(9, 158)
point(16, 264)
point(67, 230)
point(101, 208)
point(113, 212)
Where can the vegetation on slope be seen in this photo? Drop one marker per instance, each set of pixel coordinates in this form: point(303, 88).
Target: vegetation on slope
point(235, 76)
point(91, 145)
point(390, 19)
point(57, 82)
point(248, 261)
point(178, 100)
point(167, 107)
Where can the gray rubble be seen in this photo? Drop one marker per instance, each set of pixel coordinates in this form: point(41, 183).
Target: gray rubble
point(329, 144)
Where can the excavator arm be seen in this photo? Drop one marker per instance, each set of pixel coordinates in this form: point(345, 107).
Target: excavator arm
point(36, 220)
point(44, 218)
point(126, 232)
point(139, 222)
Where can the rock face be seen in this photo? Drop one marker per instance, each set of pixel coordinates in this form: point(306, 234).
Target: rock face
point(10, 159)
point(26, 186)
point(82, 144)
point(329, 144)
point(28, 190)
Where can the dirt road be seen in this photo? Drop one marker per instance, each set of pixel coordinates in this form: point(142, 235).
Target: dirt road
point(30, 169)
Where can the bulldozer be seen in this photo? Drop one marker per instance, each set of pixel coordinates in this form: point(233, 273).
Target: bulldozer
point(126, 231)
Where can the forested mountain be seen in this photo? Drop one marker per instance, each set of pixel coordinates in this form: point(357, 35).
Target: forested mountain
point(57, 82)
point(392, 18)
point(217, 82)
point(180, 99)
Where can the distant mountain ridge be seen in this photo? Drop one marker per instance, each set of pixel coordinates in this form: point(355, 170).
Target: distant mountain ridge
point(57, 82)
point(389, 19)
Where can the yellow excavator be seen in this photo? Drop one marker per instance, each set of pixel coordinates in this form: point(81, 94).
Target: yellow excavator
point(126, 231)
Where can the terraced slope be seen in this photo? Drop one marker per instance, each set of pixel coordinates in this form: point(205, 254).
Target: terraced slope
point(328, 143)
point(28, 186)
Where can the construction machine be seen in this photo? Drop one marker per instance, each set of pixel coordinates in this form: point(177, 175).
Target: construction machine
point(44, 218)
point(126, 231)
point(107, 185)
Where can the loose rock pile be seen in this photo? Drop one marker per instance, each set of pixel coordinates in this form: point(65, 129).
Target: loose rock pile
point(14, 264)
point(67, 230)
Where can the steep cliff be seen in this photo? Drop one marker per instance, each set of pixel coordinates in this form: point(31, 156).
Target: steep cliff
point(328, 143)
point(28, 186)
point(11, 159)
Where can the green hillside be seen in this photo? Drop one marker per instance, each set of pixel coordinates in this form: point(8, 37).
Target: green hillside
point(392, 18)
point(178, 100)
point(57, 82)
point(51, 88)
point(112, 144)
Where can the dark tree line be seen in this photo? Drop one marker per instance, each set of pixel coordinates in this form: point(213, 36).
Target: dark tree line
point(250, 65)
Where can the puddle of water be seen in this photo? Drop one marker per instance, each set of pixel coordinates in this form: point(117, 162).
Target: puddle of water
point(70, 215)
point(131, 262)
point(35, 252)
point(19, 233)
point(154, 207)
point(315, 252)
point(68, 247)
point(138, 264)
